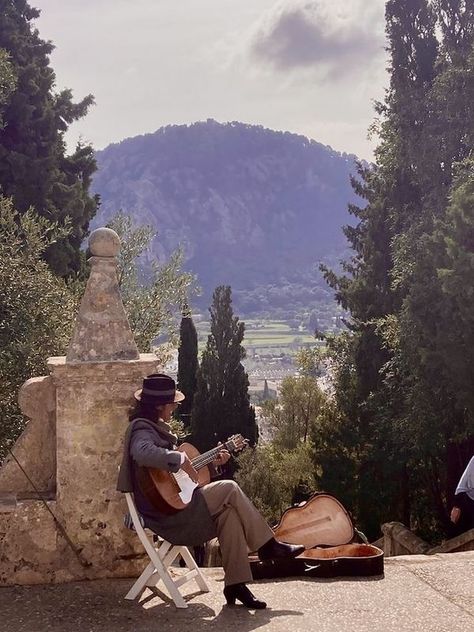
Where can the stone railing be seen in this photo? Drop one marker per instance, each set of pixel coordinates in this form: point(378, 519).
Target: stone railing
point(399, 540)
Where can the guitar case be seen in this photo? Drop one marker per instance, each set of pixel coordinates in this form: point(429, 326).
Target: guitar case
point(334, 548)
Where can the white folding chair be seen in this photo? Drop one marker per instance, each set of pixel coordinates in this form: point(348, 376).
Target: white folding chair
point(162, 554)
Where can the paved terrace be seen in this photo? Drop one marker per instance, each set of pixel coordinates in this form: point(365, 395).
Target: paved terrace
point(418, 593)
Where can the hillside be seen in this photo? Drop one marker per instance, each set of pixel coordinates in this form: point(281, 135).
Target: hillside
point(253, 208)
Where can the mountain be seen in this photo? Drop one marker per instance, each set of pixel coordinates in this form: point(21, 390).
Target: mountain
point(251, 207)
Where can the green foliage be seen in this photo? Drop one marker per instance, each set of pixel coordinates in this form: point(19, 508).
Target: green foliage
point(403, 417)
point(36, 309)
point(279, 473)
point(152, 294)
point(187, 365)
point(295, 413)
point(177, 427)
point(310, 361)
point(34, 168)
point(456, 344)
point(295, 294)
point(221, 403)
point(358, 457)
point(7, 81)
point(270, 477)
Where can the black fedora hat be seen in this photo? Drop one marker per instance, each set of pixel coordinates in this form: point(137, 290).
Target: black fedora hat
point(159, 389)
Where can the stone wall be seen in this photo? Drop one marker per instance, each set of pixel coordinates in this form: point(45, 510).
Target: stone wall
point(72, 445)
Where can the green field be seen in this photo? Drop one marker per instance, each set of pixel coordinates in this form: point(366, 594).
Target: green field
point(265, 335)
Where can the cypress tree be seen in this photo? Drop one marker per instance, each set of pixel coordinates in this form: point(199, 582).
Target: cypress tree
point(221, 403)
point(34, 168)
point(372, 291)
point(187, 365)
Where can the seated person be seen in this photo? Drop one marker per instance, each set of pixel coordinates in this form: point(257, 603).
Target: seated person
point(462, 513)
point(217, 509)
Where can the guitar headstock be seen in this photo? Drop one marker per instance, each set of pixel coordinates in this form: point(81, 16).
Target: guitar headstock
point(236, 442)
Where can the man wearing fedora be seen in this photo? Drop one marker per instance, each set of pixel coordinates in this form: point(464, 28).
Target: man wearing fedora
point(217, 509)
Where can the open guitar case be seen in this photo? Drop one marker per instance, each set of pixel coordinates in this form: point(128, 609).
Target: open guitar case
point(334, 548)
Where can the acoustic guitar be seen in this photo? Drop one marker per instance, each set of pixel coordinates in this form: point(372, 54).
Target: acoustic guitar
point(170, 492)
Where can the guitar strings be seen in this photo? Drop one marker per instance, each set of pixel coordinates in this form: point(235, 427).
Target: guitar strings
point(206, 458)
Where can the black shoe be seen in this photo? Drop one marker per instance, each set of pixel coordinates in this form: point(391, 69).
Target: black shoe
point(274, 550)
point(242, 594)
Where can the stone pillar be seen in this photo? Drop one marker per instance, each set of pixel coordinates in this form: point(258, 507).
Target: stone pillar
point(91, 396)
point(93, 402)
point(94, 393)
point(102, 331)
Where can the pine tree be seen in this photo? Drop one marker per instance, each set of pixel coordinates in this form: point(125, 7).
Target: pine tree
point(187, 365)
point(221, 403)
point(34, 168)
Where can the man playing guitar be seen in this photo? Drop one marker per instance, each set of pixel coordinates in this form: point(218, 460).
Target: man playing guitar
point(217, 509)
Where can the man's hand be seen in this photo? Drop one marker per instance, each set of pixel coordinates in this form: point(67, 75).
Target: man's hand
point(455, 514)
point(187, 466)
point(222, 457)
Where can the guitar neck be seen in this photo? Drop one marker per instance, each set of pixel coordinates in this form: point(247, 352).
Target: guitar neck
point(207, 457)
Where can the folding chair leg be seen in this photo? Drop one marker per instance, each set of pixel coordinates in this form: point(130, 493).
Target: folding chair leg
point(191, 564)
point(141, 582)
point(175, 595)
point(161, 557)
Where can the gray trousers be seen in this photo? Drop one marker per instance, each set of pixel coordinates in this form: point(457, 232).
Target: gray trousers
point(240, 528)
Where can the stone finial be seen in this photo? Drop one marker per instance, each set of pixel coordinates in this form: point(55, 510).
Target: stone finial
point(104, 242)
point(102, 332)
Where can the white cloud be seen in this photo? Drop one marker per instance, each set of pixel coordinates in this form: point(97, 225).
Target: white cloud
point(331, 37)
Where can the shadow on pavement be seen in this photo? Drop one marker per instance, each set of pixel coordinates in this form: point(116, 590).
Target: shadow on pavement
point(99, 607)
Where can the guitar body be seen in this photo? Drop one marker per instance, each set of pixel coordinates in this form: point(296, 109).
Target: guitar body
point(161, 487)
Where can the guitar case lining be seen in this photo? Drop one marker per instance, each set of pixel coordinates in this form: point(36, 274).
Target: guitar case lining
point(326, 529)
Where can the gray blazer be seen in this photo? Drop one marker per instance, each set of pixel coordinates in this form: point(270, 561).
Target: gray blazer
point(151, 444)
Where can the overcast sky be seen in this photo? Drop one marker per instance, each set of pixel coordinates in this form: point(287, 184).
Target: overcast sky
point(308, 66)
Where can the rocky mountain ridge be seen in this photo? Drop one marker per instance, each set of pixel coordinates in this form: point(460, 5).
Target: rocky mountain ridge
point(251, 207)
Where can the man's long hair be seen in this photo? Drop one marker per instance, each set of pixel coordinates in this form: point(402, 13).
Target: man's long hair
point(147, 409)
